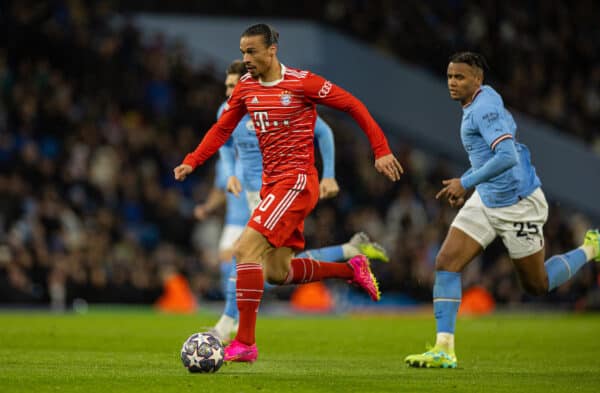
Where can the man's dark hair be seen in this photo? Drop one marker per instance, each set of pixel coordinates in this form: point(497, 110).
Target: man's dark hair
point(236, 67)
point(471, 58)
point(270, 35)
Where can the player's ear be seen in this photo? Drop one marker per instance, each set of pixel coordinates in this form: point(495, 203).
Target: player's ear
point(273, 50)
point(479, 75)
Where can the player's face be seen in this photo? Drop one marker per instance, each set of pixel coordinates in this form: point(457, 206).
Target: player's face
point(230, 81)
point(463, 81)
point(257, 56)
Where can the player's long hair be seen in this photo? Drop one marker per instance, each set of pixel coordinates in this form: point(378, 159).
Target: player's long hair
point(270, 35)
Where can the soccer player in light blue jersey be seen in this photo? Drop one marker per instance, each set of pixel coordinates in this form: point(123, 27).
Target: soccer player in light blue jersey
point(507, 201)
point(240, 167)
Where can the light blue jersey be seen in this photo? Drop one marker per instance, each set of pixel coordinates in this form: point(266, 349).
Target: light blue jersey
point(242, 147)
point(244, 143)
point(487, 131)
point(236, 211)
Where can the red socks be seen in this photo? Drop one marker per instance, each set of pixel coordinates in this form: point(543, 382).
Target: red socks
point(303, 270)
point(250, 284)
point(249, 291)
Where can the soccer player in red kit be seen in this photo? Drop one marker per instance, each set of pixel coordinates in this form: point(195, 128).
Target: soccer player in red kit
point(281, 102)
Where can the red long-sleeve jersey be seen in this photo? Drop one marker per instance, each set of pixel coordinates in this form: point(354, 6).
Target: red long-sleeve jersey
point(284, 117)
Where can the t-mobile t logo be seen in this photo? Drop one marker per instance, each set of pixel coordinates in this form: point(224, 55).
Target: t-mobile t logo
point(262, 120)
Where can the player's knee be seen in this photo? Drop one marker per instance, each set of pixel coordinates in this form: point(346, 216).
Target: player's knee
point(276, 270)
point(275, 276)
point(246, 250)
point(238, 251)
point(445, 261)
point(243, 252)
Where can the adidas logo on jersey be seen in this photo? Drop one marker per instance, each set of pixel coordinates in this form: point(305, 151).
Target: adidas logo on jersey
point(254, 100)
point(257, 219)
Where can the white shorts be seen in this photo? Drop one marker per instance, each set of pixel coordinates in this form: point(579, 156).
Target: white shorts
point(229, 235)
point(520, 225)
point(253, 198)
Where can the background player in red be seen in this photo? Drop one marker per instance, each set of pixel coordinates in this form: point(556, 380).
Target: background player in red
point(281, 101)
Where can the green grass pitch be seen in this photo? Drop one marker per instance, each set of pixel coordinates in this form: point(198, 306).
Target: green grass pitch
point(135, 350)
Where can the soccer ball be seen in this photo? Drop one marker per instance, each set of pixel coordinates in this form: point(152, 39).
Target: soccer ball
point(202, 353)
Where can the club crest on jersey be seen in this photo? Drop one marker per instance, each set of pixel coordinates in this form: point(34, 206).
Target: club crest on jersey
point(250, 125)
point(286, 98)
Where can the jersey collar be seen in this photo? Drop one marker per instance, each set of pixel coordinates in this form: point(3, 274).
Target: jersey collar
point(273, 83)
point(473, 98)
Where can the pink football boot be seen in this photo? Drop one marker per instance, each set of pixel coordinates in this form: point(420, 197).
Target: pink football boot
point(237, 351)
point(363, 276)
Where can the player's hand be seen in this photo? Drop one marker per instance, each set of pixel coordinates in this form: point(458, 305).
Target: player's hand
point(453, 190)
point(182, 171)
point(389, 166)
point(234, 186)
point(201, 212)
point(328, 188)
point(456, 202)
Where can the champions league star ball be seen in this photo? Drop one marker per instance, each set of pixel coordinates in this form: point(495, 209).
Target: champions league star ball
point(202, 353)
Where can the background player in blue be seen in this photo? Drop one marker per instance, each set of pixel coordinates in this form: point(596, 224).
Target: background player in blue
point(507, 202)
point(240, 162)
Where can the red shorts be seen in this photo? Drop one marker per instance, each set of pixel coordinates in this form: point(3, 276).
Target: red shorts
point(284, 206)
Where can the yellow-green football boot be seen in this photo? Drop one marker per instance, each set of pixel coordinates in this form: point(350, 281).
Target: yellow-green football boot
point(436, 357)
point(370, 249)
point(592, 239)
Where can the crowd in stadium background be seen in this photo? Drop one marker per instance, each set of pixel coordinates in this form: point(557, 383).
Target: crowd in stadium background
point(93, 119)
point(544, 53)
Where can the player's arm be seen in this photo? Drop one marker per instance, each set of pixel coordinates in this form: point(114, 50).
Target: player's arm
point(227, 155)
point(505, 157)
point(322, 91)
point(328, 188)
point(216, 136)
point(216, 199)
point(501, 142)
point(216, 196)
